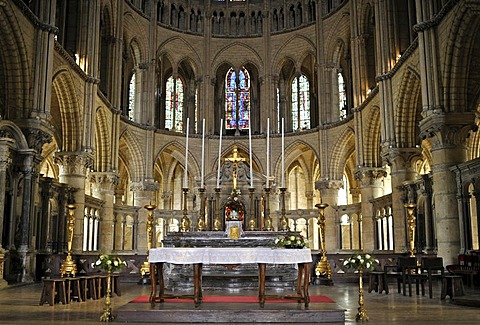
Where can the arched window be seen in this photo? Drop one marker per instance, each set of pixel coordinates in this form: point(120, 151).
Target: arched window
point(300, 103)
point(174, 104)
point(237, 99)
point(342, 97)
point(131, 98)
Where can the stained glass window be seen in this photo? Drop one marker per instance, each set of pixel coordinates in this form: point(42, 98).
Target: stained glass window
point(342, 97)
point(174, 104)
point(131, 98)
point(237, 99)
point(301, 103)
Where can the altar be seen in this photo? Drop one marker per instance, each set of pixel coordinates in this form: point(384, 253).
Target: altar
point(229, 256)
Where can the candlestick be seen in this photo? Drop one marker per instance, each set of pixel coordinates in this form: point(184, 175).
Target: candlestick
point(283, 152)
point(185, 178)
point(203, 155)
point(219, 153)
point(268, 154)
point(250, 144)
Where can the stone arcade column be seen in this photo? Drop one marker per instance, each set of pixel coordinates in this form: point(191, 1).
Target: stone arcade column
point(5, 162)
point(402, 169)
point(104, 188)
point(329, 194)
point(371, 179)
point(73, 169)
point(144, 193)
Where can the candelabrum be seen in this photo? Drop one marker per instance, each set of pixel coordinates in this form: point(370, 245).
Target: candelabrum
point(107, 315)
point(201, 224)
point(217, 223)
point(411, 226)
point(323, 267)
point(362, 311)
point(145, 269)
point(185, 224)
point(268, 223)
point(283, 218)
point(69, 267)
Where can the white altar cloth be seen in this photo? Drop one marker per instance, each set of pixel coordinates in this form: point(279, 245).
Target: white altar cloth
point(230, 255)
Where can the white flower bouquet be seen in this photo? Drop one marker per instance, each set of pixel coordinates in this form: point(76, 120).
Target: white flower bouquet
point(360, 261)
point(109, 263)
point(292, 241)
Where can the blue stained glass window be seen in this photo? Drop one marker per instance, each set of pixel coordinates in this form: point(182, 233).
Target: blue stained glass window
point(237, 99)
point(300, 103)
point(174, 104)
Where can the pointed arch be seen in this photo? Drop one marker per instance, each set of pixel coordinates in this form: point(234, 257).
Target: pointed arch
point(408, 112)
point(132, 155)
point(103, 140)
point(342, 149)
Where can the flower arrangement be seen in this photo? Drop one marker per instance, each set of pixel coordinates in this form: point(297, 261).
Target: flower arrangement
point(109, 263)
point(292, 241)
point(234, 209)
point(360, 261)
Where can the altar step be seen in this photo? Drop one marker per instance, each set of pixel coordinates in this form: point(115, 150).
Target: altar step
point(292, 313)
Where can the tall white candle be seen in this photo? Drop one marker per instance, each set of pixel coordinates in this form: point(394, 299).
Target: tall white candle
point(268, 154)
point(219, 153)
point(283, 153)
point(250, 144)
point(203, 155)
point(185, 178)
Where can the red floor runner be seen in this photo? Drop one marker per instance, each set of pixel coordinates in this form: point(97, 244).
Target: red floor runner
point(234, 299)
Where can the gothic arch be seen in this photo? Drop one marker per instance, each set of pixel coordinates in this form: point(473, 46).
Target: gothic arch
point(371, 148)
point(131, 154)
point(70, 117)
point(103, 140)
point(15, 64)
point(407, 113)
point(459, 56)
point(182, 50)
point(231, 52)
point(341, 151)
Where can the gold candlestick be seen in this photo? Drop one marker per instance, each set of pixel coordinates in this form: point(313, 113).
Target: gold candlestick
point(69, 267)
point(252, 221)
point(283, 219)
point(217, 223)
point(201, 224)
point(145, 269)
point(362, 311)
point(268, 223)
point(107, 315)
point(323, 267)
point(411, 226)
point(185, 224)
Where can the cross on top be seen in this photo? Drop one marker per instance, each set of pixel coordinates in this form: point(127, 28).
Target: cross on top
point(235, 159)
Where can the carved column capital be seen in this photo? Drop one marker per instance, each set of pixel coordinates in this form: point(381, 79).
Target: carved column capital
point(446, 130)
point(145, 185)
point(369, 176)
point(73, 163)
point(106, 181)
point(327, 183)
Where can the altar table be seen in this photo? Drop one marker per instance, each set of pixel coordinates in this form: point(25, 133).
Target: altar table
point(233, 255)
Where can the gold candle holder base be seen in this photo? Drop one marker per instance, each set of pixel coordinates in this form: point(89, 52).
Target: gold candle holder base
point(362, 311)
point(107, 315)
point(68, 267)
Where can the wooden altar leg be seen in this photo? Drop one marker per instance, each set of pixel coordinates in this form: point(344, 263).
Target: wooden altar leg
point(197, 284)
point(261, 283)
point(306, 282)
point(300, 274)
point(153, 281)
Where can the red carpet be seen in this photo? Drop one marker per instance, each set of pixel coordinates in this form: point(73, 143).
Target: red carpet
point(233, 299)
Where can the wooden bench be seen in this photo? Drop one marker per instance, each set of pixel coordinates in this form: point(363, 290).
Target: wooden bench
point(452, 285)
point(54, 291)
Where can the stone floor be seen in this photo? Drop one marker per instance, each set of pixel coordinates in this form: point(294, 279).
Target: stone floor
point(19, 305)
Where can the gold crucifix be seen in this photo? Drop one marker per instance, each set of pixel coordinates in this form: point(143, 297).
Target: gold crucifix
point(235, 159)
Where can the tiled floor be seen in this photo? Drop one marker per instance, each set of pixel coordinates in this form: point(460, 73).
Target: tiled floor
point(19, 305)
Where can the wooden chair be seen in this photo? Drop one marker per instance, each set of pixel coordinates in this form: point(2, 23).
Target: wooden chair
point(395, 272)
point(410, 271)
point(433, 266)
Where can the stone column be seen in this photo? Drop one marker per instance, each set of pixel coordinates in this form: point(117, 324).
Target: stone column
point(329, 194)
point(371, 188)
point(104, 188)
point(402, 169)
point(72, 171)
point(144, 194)
point(5, 162)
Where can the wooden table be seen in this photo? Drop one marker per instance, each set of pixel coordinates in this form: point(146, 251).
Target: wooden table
point(232, 255)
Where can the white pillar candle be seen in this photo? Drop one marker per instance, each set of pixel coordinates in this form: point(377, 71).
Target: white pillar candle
point(185, 178)
point(268, 154)
point(283, 153)
point(250, 144)
point(219, 153)
point(203, 155)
